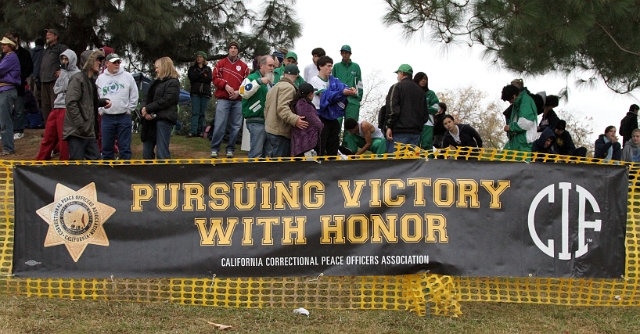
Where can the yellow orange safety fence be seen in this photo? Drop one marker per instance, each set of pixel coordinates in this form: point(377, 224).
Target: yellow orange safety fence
point(421, 293)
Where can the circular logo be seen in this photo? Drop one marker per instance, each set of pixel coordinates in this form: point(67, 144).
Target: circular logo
point(75, 218)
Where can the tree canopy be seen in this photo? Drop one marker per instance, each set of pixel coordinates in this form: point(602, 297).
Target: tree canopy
point(601, 37)
point(145, 30)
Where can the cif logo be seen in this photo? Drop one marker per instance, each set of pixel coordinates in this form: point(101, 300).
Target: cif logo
point(584, 198)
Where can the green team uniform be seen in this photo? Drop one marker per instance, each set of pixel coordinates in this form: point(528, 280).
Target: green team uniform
point(279, 72)
point(351, 75)
point(254, 95)
point(426, 137)
point(523, 124)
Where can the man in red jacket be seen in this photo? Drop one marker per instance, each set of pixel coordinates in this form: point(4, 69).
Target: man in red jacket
point(227, 77)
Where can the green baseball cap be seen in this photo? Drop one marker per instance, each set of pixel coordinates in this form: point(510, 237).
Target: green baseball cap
point(406, 68)
point(346, 48)
point(291, 69)
point(293, 55)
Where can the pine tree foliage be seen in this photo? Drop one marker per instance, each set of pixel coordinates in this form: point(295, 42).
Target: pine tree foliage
point(600, 37)
point(145, 30)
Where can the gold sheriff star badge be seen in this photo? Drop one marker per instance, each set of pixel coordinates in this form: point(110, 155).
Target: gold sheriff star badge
point(75, 219)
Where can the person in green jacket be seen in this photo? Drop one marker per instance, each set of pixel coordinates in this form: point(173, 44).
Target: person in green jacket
point(254, 89)
point(522, 128)
point(290, 58)
point(433, 107)
point(350, 74)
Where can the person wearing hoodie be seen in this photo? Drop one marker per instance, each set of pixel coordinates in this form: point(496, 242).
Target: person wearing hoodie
point(546, 143)
point(80, 128)
point(53, 129)
point(607, 145)
point(631, 151)
point(9, 80)
point(117, 85)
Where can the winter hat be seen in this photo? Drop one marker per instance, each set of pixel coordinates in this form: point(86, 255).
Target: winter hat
point(234, 43)
point(279, 55)
point(561, 124)
point(201, 53)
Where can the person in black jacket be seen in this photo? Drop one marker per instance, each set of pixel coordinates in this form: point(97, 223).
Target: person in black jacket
point(406, 110)
point(26, 68)
point(546, 143)
point(200, 79)
point(160, 111)
point(607, 145)
point(549, 117)
point(459, 134)
point(629, 123)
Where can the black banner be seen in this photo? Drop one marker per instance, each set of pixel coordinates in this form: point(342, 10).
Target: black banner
point(381, 217)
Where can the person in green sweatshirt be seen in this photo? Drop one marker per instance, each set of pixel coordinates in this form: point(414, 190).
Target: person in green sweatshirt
point(350, 74)
point(522, 128)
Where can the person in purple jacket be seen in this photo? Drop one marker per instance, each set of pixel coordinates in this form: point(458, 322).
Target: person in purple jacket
point(9, 80)
point(304, 142)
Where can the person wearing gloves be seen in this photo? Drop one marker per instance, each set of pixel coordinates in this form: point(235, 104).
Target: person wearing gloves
point(9, 80)
point(117, 85)
point(254, 91)
point(53, 128)
point(80, 128)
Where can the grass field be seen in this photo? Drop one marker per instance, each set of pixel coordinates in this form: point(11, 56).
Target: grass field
point(42, 315)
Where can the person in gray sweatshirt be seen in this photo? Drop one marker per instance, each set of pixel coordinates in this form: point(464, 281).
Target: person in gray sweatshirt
point(117, 85)
point(52, 138)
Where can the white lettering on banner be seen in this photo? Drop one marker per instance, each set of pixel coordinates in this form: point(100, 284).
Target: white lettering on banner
point(583, 196)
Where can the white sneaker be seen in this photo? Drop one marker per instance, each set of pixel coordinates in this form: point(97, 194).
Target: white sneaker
point(18, 135)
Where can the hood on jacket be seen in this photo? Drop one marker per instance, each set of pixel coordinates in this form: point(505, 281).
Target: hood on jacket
point(91, 60)
point(630, 143)
point(546, 134)
point(73, 60)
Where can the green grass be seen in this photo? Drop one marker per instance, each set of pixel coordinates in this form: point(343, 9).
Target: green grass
point(42, 315)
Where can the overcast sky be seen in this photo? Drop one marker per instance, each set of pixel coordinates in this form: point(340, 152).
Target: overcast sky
point(331, 23)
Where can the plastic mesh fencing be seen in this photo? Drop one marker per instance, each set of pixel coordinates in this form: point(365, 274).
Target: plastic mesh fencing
point(420, 293)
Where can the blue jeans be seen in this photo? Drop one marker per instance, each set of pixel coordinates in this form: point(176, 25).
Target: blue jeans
point(19, 116)
point(161, 144)
point(116, 126)
point(258, 138)
point(278, 146)
point(404, 138)
point(7, 100)
point(198, 111)
point(227, 111)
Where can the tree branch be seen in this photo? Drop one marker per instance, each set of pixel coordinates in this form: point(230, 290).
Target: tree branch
point(616, 42)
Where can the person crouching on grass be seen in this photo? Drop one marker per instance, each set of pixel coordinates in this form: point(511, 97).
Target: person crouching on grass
point(52, 137)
